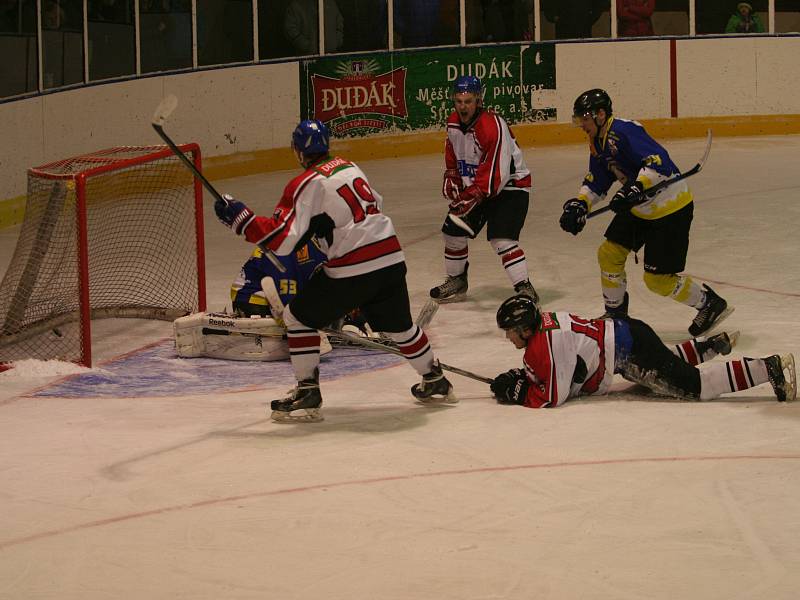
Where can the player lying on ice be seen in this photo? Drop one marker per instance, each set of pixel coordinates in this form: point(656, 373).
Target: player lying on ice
point(255, 330)
point(332, 201)
point(567, 356)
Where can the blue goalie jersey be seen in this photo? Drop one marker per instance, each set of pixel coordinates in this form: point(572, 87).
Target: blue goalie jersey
point(246, 289)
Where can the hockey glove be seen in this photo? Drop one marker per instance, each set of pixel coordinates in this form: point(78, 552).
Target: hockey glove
point(627, 197)
point(573, 219)
point(466, 201)
point(233, 214)
point(510, 387)
point(452, 185)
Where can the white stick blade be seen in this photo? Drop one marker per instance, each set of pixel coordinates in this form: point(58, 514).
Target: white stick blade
point(164, 110)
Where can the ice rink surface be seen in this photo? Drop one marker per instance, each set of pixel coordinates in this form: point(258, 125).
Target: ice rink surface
point(190, 491)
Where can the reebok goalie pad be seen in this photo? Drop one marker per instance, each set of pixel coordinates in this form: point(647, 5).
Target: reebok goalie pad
point(220, 335)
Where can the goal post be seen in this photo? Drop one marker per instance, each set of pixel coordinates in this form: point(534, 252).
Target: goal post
point(111, 234)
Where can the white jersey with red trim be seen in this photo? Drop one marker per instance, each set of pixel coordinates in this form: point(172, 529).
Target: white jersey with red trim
point(363, 238)
point(552, 355)
point(486, 154)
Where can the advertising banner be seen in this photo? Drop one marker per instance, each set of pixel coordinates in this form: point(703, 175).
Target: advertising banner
point(358, 95)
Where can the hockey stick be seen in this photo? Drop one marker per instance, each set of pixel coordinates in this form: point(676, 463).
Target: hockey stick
point(650, 192)
point(164, 110)
point(426, 313)
point(368, 343)
point(271, 292)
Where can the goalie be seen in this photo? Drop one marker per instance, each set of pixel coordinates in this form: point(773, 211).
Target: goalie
point(254, 331)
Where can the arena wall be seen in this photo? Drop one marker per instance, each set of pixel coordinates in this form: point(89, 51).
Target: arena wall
point(243, 116)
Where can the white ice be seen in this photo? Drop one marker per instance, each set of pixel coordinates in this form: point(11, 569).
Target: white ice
point(621, 497)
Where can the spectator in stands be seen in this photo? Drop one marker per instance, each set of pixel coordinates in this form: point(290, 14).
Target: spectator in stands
point(744, 20)
point(711, 16)
point(9, 16)
point(634, 17)
point(301, 25)
point(476, 31)
point(507, 20)
point(53, 16)
point(416, 23)
point(110, 11)
point(366, 24)
point(573, 18)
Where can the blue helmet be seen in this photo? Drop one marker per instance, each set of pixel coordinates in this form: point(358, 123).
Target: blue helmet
point(311, 137)
point(468, 83)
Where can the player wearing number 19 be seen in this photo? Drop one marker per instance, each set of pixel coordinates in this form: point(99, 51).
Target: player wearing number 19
point(332, 201)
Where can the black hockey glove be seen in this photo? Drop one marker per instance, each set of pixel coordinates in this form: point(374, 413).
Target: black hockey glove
point(510, 387)
point(320, 226)
point(573, 219)
point(233, 214)
point(627, 197)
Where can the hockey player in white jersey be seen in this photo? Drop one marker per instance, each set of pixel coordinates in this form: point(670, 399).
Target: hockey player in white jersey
point(487, 183)
point(333, 201)
point(568, 356)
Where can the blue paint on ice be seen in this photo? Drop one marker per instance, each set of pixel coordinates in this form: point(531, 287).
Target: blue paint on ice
point(158, 371)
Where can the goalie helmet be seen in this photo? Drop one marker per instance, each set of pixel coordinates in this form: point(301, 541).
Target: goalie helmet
point(517, 312)
point(468, 84)
point(311, 137)
point(589, 102)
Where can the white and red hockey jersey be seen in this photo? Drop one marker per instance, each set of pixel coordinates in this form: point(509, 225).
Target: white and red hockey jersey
point(486, 154)
point(364, 239)
point(552, 355)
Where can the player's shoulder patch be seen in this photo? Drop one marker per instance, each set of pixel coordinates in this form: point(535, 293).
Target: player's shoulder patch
point(549, 321)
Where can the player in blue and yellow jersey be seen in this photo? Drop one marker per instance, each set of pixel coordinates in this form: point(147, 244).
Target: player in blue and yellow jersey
point(621, 150)
point(247, 295)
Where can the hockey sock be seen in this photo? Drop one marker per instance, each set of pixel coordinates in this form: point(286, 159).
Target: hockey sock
point(614, 282)
point(456, 252)
point(513, 258)
point(689, 352)
point(415, 347)
point(680, 288)
point(303, 346)
point(731, 376)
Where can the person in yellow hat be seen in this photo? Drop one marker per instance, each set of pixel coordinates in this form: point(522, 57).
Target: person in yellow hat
point(744, 20)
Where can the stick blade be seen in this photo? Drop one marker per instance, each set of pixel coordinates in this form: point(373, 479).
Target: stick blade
point(164, 109)
point(426, 314)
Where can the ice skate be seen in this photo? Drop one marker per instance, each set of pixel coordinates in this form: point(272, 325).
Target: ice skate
point(711, 314)
point(785, 388)
point(616, 312)
point(306, 396)
point(720, 344)
point(453, 289)
point(526, 288)
point(434, 388)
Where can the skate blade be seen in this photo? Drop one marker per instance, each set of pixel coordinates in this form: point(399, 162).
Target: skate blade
point(787, 362)
point(450, 299)
point(311, 415)
point(448, 400)
point(733, 338)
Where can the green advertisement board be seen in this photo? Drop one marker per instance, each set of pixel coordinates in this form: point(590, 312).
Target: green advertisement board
point(358, 95)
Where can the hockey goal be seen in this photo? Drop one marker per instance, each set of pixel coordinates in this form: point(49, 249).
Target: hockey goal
point(114, 233)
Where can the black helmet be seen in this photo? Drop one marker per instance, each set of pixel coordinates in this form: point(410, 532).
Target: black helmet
point(588, 103)
point(519, 311)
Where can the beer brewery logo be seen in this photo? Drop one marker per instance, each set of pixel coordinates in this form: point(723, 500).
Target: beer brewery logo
point(360, 98)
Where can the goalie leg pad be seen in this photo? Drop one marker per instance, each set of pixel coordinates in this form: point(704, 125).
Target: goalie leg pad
point(219, 335)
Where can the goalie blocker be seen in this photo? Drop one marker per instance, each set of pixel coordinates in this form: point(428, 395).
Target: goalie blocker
point(220, 335)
